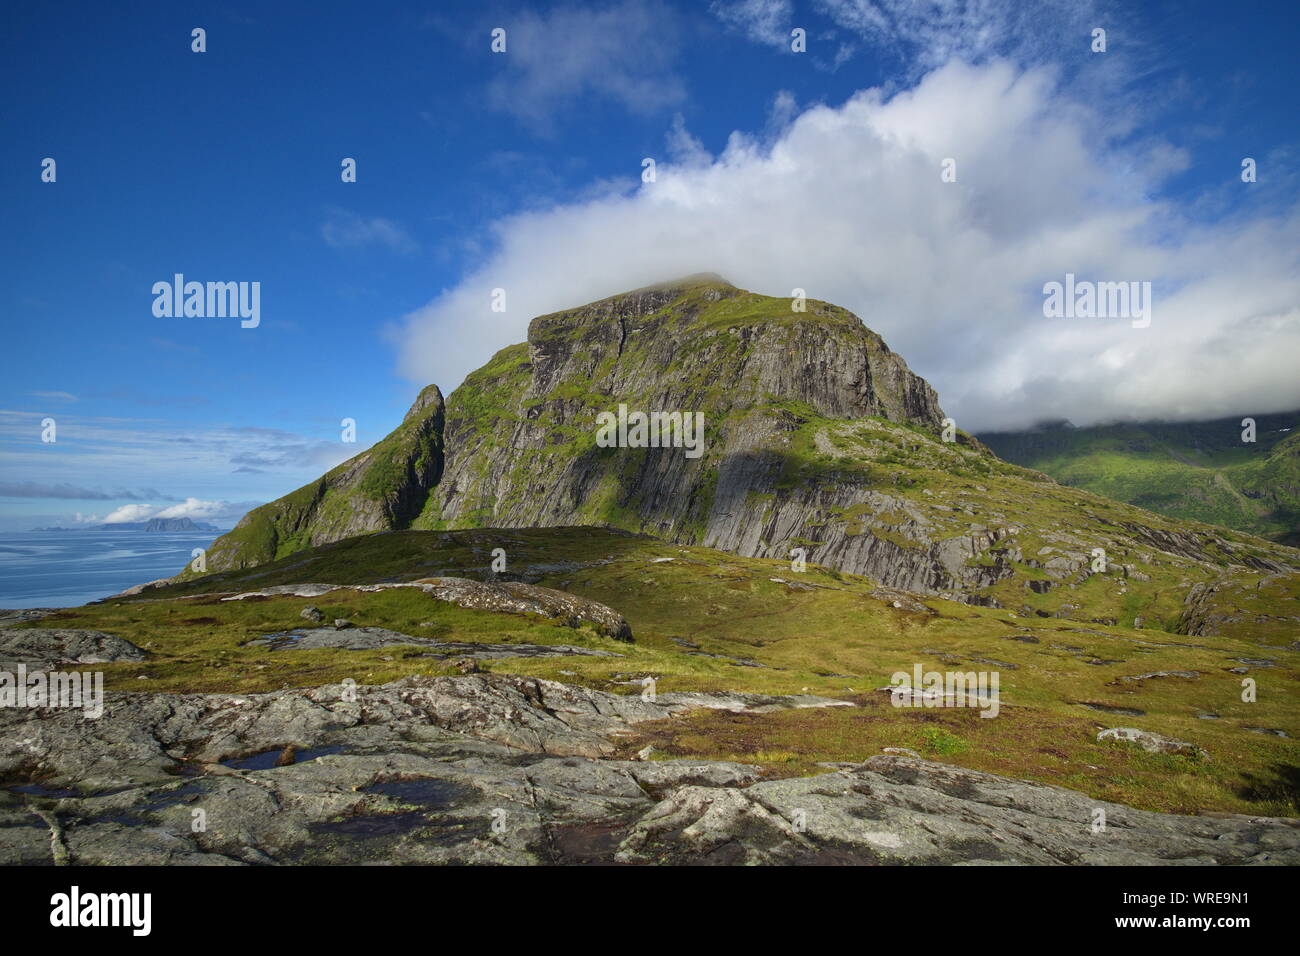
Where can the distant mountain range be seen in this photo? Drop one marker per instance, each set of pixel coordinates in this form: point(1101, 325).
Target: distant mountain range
point(153, 524)
point(1198, 470)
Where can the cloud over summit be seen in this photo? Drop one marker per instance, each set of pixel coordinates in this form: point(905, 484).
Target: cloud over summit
point(847, 203)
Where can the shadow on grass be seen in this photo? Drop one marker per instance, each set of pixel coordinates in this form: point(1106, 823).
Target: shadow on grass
point(1281, 783)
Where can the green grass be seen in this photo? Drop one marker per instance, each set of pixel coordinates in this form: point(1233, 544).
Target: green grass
point(201, 644)
point(842, 638)
point(1008, 536)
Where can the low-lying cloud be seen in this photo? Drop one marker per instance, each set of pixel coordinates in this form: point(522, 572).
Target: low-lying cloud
point(193, 508)
point(847, 203)
point(66, 490)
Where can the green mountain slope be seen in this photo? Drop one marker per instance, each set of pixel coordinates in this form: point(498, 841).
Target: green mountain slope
point(384, 487)
point(1197, 470)
point(818, 443)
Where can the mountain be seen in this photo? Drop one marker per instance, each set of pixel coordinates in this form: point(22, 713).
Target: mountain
point(174, 524)
point(1198, 470)
point(816, 437)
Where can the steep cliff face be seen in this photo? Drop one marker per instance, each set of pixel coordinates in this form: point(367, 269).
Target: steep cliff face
point(522, 431)
point(383, 488)
point(818, 443)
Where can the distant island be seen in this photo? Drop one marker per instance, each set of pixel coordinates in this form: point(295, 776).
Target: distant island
point(153, 524)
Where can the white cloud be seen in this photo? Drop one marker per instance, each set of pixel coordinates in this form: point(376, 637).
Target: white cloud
point(345, 230)
point(129, 513)
point(192, 508)
point(917, 36)
point(624, 52)
point(763, 21)
point(929, 34)
point(847, 203)
point(199, 510)
point(683, 148)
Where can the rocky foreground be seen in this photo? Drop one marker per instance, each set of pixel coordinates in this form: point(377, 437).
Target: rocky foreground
point(512, 770)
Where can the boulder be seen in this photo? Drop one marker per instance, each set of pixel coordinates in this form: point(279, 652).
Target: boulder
point(1148, 741)
point(46, 648)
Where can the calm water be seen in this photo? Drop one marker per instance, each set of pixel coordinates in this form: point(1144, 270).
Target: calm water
point(67, 568)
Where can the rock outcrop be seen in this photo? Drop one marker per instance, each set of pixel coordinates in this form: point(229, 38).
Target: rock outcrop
point(46, 648)
point(504, 597)
point(508, 770)
point(1149, 741)
point(371, 638)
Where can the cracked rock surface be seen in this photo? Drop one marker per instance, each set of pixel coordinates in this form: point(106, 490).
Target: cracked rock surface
point(370, 638)
point(512, 770)
point(49, 647)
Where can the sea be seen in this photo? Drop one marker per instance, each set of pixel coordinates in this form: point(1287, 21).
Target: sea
point(70, 568)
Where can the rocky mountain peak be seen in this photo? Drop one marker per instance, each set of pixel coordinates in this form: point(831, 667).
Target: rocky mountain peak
point(428, 402)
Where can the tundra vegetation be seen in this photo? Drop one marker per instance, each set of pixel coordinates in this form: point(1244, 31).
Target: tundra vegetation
point(1094, 613)
point(710, 621)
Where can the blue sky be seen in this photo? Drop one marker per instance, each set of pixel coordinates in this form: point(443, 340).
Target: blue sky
point(522, 171)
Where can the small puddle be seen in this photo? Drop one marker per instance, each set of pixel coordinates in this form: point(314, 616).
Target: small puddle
point(267, 759)
point(427, 792)
point(168, 798)
point(586, 842)
point(1108, 709)
point(378, 825)
point(278, 642)
point(40, 790)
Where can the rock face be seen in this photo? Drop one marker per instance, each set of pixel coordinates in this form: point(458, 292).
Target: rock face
point(1267, 605)
point(498, 769)
point(744, 361)
point(144, 737)
point(516, 597)
point(815, 436)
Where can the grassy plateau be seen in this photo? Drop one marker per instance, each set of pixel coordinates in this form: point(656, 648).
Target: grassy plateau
point(707, 620)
